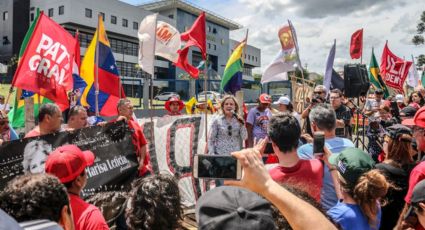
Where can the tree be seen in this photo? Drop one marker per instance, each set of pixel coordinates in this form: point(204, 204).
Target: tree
point(419, 39)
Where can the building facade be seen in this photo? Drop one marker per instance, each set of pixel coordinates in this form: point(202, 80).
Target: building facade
point(121, 22)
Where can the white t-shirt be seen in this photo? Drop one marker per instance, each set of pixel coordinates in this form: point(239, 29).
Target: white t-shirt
point(7, 107)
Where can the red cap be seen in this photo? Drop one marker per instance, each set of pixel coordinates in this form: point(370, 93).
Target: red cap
point(418, 120)
point(265, 98)
point(173, 99)
point(67, 162)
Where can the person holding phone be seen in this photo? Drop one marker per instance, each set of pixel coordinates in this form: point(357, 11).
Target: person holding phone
point(258, 119)
point(228, 130)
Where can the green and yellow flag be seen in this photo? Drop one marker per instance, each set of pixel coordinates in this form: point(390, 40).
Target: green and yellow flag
point(17, 113)
point(375, 77)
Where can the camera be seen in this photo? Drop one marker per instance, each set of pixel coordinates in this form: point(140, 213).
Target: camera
point(316, 99)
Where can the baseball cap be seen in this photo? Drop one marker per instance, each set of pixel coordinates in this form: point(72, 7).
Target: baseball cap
point(399, 98)
point(352, 163)
point(265, 98)
point(229, 207)
point(418, 195)
point(408, 111)
point(379, 91)
point(418, 120)
point(396, 130)
point(68, 162)
point(282, 100)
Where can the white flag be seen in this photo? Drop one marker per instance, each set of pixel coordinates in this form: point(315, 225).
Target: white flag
point(147, 35)
point(167, 41)
point(329, 67)
point(413, 76)
point(286, 58)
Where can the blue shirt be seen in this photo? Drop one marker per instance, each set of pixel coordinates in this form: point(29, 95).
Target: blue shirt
point(350, 216)
point(328, 196)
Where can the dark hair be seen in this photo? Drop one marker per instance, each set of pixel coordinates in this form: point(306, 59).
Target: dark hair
point(337, 91)
point(69, 184)
point(324, 117)
point(284, 131)
point(34, 196)
point(422, 102)
point(47, 109)
point(154, 204)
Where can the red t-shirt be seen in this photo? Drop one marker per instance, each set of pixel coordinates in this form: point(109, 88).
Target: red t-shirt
point(306, 175)
point(139, 141)
point(86, 216)
point(33, 133)
point(417, 174)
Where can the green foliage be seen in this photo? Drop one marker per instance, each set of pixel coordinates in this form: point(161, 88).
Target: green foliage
point(418, 39)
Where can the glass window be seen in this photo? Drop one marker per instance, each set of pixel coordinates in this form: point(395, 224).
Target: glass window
point(113, 19)
point(135, 25)
point(103, 15)
point(215, 47)
point(124, 22)
point(209, 46)
point(50, 13)
point(32, 16)
point(88, 13)
point(214, 30)
point(171, 16)
point(61, 10)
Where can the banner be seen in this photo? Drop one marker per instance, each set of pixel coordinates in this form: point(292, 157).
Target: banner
point(46, 65)
point(114, 165)
point(394, 70)
point(177, 139)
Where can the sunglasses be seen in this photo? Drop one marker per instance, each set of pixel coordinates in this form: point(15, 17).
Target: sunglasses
point(229, 130)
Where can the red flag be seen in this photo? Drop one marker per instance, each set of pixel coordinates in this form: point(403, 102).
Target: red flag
point(394, 70)
point(46, 65)
point(356, 46)
point(196, 36)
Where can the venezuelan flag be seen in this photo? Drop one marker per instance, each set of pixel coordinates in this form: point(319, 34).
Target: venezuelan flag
point(231, 82)
point(108, 76)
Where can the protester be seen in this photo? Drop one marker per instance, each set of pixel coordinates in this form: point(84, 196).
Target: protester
point(125, 112)
point(323, 119)
point(361, 188)
point(417, 204)
point(154, 203)
point(399, 99)
point(39, 201)
point(4, 107)
point(258, 120)
point(298, 213)
point(174, 106)
point(343, 114)
point(416, 97)
point(201, 105)
point(77, 118)
point(69, 164)
point(228, 130)
point(284, 133)
point(396, 167)
point(319, 97)
point(372, 104)
point(408, 112)
point(49, 121)
point(284, 105)
point(7, 133)
point(231, 207)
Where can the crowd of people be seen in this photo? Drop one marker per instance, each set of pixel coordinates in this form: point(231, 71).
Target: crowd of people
point(285, 183)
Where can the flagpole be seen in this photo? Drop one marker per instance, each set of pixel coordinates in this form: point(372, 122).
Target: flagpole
point(299, 61)
point(206, 99)
point(96, 76)
point(361, 56)
point(151, 85)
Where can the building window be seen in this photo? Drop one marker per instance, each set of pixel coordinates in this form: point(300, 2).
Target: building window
point(171, 16)
point(209, 46)
point(61, 10)
point(124, 22)
point(135, 25)
point(249, 57)
point(88, 13)
point(113, 19)
point(222, 41)
point(103, 15)
point(256, 59)
point(32, 16)
point(215, 47)
point(214, 30)
point(5, 15)
point(50, 13)
point(209, 28)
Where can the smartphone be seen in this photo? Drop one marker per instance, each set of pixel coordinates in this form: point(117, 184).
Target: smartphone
point(318, 143)
point(216, 167)
point(269, 148)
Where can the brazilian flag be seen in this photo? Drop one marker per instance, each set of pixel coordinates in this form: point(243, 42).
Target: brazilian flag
point(375, 77)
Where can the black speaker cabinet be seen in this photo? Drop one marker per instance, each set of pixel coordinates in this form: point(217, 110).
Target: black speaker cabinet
point(356, 80)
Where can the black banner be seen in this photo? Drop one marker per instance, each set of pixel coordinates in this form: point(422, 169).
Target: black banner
point(115, 164)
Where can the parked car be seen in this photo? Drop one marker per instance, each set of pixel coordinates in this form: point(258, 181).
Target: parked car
point(165, 96)
point(212, 95)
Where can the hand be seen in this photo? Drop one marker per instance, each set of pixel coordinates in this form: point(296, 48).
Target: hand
point(103, 123)
point(120, 118)
point(307, 137)
point(260, 146)
point(255, 176)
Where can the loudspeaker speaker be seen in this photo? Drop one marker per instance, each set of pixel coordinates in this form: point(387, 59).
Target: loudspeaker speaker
point(356, 80)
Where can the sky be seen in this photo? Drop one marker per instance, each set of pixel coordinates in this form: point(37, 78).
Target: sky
point(319, 22)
